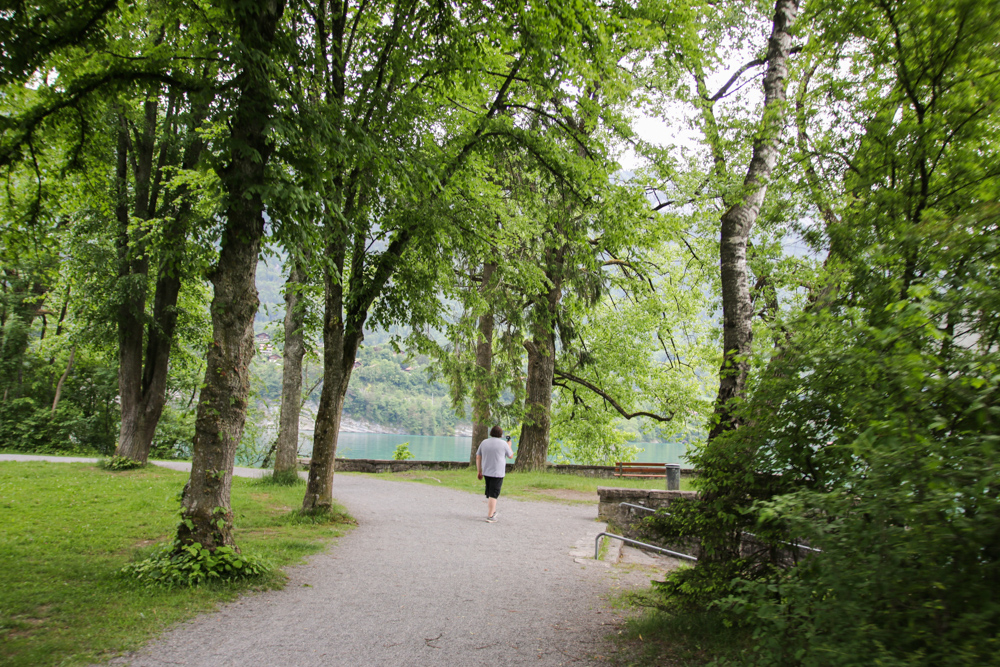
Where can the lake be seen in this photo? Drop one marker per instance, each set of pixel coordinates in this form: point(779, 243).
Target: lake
point(456, 448)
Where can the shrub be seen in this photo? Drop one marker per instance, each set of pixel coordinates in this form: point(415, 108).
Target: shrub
point(120, 463)
point(173, 565)
point(402, 452)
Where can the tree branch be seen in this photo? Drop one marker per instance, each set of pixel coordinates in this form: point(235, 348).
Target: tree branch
point(627, 415)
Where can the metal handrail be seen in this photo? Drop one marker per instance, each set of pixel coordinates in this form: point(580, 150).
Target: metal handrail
point(597, 546)
point(791, 544)
point(640, 507)
point(745, 532)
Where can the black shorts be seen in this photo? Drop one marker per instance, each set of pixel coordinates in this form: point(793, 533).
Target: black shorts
point(493, 485)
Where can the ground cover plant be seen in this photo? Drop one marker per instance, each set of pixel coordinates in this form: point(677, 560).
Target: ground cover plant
point(530, 485)
point(70, 528)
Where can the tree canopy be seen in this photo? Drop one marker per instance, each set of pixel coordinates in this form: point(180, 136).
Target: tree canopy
point(799, 274)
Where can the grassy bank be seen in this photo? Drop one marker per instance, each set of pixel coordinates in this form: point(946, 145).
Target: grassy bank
point(67, 530)
point(527, 485)
point(675, 637)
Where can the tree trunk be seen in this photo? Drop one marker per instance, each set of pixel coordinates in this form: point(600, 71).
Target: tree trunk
point(132, 268)
point(533, 448)
point(206, 515)
point(291, 378)
point(721, 544)
point(481, 393)
point(62, 379)
point(340, 348)
point(143, 380)
point(738, 221)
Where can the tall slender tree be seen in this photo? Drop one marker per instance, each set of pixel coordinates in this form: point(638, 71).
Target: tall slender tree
point(738, 221)
point(207, 517)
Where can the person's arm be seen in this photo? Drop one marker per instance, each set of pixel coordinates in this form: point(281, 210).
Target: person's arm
point(479, 465)
point(510, 450)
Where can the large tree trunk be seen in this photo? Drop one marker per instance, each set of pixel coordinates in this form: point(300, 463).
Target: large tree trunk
point(132, 268)
point(738, 221)
point(481, 393)
point(206, 515)
point(533, 448)
point(286, 457)
point(143, 380)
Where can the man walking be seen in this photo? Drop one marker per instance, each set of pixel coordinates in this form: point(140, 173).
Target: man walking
point(490, 464)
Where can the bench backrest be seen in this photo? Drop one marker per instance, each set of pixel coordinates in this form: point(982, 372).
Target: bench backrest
point(622, 467)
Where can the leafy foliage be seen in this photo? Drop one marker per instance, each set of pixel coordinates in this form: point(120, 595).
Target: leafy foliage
point(120, 463)
point(177, 564)
point(402, 452)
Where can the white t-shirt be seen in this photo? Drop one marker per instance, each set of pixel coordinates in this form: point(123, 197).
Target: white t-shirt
point(493, 451)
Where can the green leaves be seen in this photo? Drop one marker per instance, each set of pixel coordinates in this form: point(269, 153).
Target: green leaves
point(175, 565)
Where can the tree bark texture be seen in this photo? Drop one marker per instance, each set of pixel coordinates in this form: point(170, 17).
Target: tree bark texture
point(481, 393)
point(286, 457)
point(533, 448)
point(737, 223)
point(206, 515)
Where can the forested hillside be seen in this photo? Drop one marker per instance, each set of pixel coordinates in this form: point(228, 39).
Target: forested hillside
point(388, 389)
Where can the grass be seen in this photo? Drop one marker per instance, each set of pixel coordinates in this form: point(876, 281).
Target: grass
point(673, 637)
point(527, 485)
point(69, 528)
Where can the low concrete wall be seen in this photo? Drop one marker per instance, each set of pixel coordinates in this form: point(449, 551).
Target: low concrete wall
point(376, 465)
point(606, 472)
point(389, 465)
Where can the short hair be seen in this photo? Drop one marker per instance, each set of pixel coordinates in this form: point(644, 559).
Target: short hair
point(496, 432)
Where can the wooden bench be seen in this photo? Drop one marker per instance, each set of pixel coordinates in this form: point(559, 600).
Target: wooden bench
point(640, 469)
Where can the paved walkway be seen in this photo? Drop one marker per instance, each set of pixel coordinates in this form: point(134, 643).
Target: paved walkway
point(422, 580)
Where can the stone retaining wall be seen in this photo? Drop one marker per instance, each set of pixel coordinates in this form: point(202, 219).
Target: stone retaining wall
point(377, 465)
point(627, 521)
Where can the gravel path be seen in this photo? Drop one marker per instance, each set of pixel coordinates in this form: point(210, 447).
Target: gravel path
point(422, 580)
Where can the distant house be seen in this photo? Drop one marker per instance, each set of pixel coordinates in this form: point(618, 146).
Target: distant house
point(408, 369)
point(264, 343)
point(275, 358)
point(357, 364)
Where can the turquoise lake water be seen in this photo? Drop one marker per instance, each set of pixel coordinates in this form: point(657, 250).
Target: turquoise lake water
point(449, 448)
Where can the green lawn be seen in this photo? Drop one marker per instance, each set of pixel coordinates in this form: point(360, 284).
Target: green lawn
point(68, 528)
point(528, 485)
